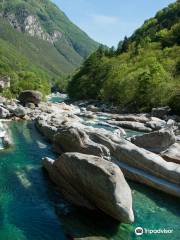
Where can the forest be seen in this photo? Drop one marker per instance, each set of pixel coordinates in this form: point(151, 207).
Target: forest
point(142, 73)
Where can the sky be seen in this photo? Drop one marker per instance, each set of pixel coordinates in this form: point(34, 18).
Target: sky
point(108, 21)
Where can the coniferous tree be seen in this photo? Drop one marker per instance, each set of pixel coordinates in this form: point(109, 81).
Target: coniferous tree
point(125, 45)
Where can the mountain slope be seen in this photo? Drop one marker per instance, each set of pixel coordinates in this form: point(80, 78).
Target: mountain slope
point(144, 72)
point(42, 34)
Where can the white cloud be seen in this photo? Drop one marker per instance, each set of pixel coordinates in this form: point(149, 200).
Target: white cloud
point(104, 19)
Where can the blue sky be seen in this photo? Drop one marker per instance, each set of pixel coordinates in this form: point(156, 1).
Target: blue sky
point(108, 21)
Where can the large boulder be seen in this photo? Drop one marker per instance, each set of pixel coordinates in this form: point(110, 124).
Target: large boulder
point(30, 96)
point(75, 139)
point(92, 182)
point(139, 164)
point(157, 141)
point(125, 151)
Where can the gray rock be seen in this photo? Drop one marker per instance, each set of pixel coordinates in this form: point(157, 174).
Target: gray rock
point(30, 96)
point(87, 114)
point(172, 154)
point(19, 111)
point(137, 163)
point(160, 112)
point(92, 108)
point(155, 123)
point(47, 130)
point(30, 105)
point(157, 141)
point(137, 126)
point(141, 165)
point(91, 182)
point(4, 113)
point(74, 139)
point(124, 151)
point(171, 123)
point(132, 118)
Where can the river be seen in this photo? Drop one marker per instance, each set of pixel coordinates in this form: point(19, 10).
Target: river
point(32, 209)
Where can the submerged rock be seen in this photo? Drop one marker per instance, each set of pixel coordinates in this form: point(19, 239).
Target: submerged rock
point(157, 141)
point(92, 182)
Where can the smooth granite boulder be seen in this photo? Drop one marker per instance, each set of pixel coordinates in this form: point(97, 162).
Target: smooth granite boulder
point(75, 139)
point(141, 165)
point(92, 182)
point(127, 152)
point(157, 141)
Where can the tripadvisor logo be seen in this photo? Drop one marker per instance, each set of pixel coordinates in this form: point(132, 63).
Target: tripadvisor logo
point(139, 231)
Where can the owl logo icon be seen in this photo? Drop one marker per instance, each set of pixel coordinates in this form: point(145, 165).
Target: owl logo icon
point(139, 231)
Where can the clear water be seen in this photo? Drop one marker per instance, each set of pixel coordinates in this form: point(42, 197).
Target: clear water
point(58, 99)
point(32, 209)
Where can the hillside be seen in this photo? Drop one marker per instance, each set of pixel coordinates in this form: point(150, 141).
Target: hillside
point(144, 71)
point(38, 39)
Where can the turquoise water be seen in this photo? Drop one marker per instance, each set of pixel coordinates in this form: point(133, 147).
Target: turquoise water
point(32, 209)
point(58, 99)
